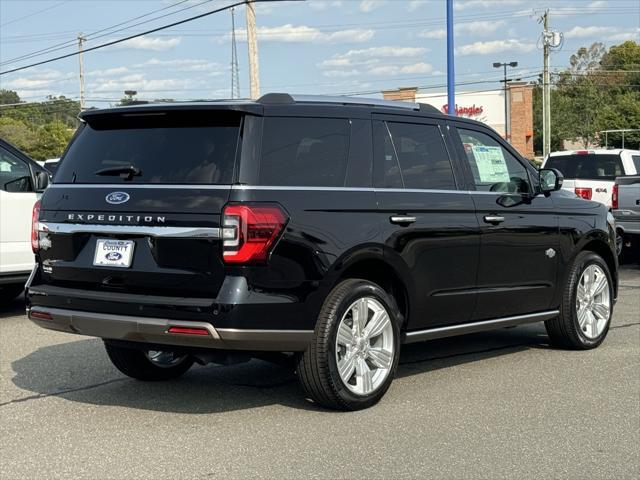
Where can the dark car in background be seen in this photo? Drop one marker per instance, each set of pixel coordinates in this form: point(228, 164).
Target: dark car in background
point(329, 230)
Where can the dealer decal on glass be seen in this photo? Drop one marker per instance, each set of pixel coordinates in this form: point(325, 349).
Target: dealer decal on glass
point(113, 253)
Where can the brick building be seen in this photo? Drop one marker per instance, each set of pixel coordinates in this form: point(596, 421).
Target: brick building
point(487, 107)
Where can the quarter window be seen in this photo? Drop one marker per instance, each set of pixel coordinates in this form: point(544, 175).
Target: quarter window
point(304, 151)
point(413, 156)
point(15, 175)
point(493, 167)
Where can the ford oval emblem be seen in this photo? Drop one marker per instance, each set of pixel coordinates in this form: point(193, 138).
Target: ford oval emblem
point(113, 256)
point(116, 198)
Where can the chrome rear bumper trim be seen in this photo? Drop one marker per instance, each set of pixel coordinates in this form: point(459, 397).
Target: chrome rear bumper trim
point(148, 230)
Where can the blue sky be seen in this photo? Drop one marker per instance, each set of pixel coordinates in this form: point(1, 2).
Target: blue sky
point(317, 46)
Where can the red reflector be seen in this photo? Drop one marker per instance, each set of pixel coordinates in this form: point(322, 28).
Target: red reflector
point(584, 152)
point(188, 330)
point(35, 215)
point(584, 192)
point(41, 315)
point(614, 197)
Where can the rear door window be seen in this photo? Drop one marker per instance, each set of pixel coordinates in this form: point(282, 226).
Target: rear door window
point(195, 147)
point(412, 156)
point(636, 163)
point(589, 166)
point(300, 151)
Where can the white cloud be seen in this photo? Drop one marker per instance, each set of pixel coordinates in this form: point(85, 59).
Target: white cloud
point(108, 72)
point(38, 79)
point(623, 36)
point(470, 4)
point(416, 4)
point(322, 5)
point(385, 60)
point(155, 44)
point(582, 32)
point(471, 28)
point(401, 69)
point(370, 5)
point(186, 65)
point(303, 34)
point(494, 46)
point(138, 82)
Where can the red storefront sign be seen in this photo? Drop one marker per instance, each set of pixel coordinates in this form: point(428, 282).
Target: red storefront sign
point(471, 111)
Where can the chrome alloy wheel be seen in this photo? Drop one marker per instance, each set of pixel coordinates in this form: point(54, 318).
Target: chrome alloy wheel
point(593, 301)
point(365, 346)
point(164, 359)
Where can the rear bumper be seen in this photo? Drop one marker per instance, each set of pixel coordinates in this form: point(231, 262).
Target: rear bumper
point(14, 277)
point(156, 331)
point(628, 226)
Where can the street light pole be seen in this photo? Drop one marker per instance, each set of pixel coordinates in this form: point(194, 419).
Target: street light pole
point(451, 75)
point(506, 92)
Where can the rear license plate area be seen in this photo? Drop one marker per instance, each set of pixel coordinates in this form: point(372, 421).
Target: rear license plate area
point(113, 253)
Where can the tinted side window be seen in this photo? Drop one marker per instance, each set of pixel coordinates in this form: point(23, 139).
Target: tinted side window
point(304, 151)
point(493, 167)
point(636, 162)
point(589, 166)
point(15, 175)
point(414, 156)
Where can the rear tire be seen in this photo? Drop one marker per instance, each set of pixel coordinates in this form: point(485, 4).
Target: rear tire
point(350, 365)
point(148, 365)
point(587, 305)
point(8, 293)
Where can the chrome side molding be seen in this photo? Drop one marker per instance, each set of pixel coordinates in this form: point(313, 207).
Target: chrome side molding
point(485, 325)
point(146, 230)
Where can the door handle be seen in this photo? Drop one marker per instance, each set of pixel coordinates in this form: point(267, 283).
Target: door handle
point(402, 219)
point(493, 219)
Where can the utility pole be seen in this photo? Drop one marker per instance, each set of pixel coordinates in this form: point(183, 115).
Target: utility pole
point(81, 40)
point(252, 42)
point(235, 73)
point(506, 95)
point(546, 91)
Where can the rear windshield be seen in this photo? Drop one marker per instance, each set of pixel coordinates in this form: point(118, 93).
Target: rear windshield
point(197, 147)
point(588, 167)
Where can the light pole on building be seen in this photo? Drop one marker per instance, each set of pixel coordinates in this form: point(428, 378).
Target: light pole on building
point(504, 65)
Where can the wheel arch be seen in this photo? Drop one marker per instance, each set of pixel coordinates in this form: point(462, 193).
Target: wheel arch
point(601, 247)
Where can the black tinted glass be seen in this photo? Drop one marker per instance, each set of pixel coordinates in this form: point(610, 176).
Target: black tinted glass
point(173, 147)
point(590, 166)
point(304, 151)
point(15, 175)
point(636, 162)
point(422, 156)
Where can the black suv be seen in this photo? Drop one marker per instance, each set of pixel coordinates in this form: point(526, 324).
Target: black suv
point(331, 230)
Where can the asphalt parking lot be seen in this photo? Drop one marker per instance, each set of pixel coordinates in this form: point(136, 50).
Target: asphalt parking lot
point(494, 405)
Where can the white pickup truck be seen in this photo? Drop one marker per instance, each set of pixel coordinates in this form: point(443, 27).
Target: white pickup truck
point(21, 181)
point(591, 174)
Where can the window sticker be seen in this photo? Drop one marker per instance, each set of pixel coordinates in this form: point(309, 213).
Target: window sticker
point(491, 163)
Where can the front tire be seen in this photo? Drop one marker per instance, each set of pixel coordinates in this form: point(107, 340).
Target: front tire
point(148, 365)
point(587, 305)
point(353, 357)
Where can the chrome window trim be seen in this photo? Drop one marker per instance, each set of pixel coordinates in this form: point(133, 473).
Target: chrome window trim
point(148, 230)
point(124, 186)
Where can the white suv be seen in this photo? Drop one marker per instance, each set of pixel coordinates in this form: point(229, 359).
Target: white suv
point(592, 173)
point(21, 180)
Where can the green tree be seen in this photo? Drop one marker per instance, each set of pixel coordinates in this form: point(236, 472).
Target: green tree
point(8, 96)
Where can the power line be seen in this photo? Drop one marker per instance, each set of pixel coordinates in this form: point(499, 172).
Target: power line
point(69, 43)
point(130, 37)
point(34, 13)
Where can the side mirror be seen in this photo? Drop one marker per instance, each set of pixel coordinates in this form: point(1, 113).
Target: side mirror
point(41, 180)
point(550, 180)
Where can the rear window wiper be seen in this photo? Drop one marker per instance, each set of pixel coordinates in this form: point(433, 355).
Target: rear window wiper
point(126, 172)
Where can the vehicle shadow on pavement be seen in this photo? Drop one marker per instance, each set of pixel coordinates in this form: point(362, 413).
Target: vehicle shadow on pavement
point(15, 307)
point(81, 372)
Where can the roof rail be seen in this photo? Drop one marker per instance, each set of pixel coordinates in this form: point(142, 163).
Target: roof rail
point(287, 99)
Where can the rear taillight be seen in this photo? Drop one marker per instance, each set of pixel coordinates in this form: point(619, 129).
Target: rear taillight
point(35, 215)
point(614, 197)
point(249, 231)
point(584, 192)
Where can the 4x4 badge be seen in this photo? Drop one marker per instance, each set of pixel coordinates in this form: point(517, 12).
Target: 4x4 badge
point(550, 252)
point(116, 198)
